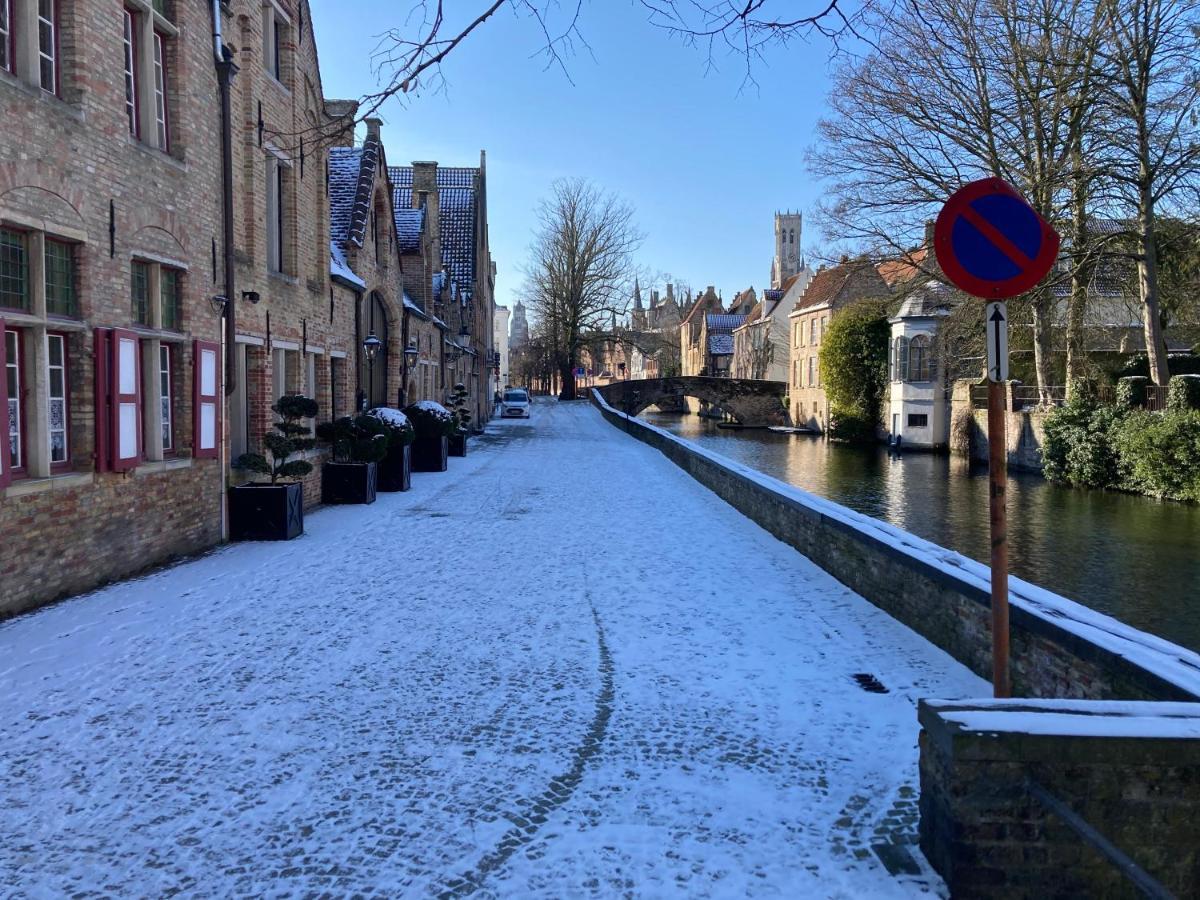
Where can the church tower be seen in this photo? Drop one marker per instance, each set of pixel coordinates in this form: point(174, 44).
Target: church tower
point(787, 247)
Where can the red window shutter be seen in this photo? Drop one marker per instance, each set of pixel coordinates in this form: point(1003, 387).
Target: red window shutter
point(5, 474)
point(206, 408)
point(102, 338)
point(125, 424)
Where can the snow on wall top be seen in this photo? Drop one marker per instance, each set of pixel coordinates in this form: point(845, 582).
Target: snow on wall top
point(392, 416)
point(1074, 718)
point(339, 269)
point(1170, 662)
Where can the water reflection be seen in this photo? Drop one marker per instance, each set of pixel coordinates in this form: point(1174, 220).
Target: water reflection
point(1132, 557)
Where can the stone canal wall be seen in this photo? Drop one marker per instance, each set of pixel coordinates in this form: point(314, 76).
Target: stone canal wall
point(1002, 781)
point(1059, 648)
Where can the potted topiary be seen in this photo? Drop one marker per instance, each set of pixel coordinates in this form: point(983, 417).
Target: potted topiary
point(460, 409)
point(358, 443)
point(395, 469)
point(433, 424)
point(274, 510)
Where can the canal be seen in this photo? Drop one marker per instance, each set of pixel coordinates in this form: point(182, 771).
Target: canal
point(1135, 558)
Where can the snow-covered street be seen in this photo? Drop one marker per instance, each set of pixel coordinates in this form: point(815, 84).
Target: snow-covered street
point(561, 669)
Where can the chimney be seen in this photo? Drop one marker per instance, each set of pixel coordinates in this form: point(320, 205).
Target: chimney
point(929, 233)
point(373, 126)
point(425, 193)
point(670, 292)
point(342, 131)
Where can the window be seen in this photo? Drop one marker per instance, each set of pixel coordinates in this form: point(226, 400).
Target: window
point(166, 397)
point(14, 278)
point(817, 360)
point(335, 386)
point(276, 195)
point(139, 292)
point(812, 371)
point(918, 358)
point(160, 94)
point(48, 45)
point(274, 29)
point(168, 289)
point(824, 325)
point(6, 36)
point(16, 410)
point(900, 359)
point(60, 279)
point(918, 420)
point(812, 331)
point(131, 77)
point(56, 422)
point(796, 335)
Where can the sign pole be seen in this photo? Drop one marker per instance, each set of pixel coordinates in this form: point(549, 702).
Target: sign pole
point(998, 484)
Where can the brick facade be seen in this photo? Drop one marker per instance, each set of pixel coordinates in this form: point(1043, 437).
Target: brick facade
point(95, 193)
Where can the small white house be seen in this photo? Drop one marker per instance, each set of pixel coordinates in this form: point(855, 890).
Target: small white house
point(919, 405)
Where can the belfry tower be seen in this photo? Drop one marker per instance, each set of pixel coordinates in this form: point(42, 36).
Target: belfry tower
point(787, 247)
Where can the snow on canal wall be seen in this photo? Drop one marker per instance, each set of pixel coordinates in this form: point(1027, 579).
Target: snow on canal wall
point(1060, 648)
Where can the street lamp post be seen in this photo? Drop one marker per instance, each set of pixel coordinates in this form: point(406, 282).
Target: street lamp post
point(411, 353)
point(371, 345)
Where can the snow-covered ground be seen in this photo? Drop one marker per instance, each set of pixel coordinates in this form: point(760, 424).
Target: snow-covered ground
point(562, 669)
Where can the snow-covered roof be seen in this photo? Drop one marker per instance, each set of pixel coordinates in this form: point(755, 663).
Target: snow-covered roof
point(932, 299)
point(720, 322)
point(721, 344)
point(409, 225)
point(340, 270)
point(457, 215)
point(412, 306)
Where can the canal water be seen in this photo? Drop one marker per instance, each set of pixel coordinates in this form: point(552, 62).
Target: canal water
point(1132, 557)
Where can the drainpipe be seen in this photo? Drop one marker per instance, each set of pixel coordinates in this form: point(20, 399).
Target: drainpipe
point(223, 61)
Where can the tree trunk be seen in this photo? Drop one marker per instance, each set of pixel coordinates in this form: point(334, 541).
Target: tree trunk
point(566, 372)
point(1156, 348)
point(1081, 276)
point(1041, 346)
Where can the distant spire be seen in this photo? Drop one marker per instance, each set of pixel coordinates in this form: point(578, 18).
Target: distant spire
point(637, 293)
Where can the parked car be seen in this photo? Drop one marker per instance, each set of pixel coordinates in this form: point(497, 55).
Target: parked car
point(515, 404)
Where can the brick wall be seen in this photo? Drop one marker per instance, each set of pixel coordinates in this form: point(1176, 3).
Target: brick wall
point(71, 170)
point(989, 834)
point(952, 610)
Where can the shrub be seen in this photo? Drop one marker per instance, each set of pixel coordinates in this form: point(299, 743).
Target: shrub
point(1183, 393)
point(461, 408)
point(1160, 454)
point(1178, 363)
point(1131, 392)
point(430, 419)
point(288, 437)
point(854, 355)
point(399, 429)
point(1080, 444)
point(360, 438)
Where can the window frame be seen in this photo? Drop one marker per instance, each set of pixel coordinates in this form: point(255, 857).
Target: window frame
point(921, 372)
point(136, 264)
point(27, 286)
point(161, 85)
point(72, 274)
point(8, 39)
point(129, 44)
point(65, 463)
point(275, 206)
point(170, 274)
point(17, 364)
point(56, 53)
point(166, 398)
point(911, 424)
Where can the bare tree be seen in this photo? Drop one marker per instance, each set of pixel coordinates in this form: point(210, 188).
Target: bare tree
point(580, 268)
point(1153, 88)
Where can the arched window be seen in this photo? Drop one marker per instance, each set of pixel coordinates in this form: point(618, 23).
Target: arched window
point(900, 359)
point(918, 358)
point(791, 235)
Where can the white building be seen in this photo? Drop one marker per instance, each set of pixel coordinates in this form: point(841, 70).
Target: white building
point(500, 330)
point(919, 404)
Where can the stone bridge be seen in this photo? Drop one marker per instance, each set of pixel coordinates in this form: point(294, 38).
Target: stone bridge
point(750, 401)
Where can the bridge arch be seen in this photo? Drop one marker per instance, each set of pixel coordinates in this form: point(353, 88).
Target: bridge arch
point(750, 401)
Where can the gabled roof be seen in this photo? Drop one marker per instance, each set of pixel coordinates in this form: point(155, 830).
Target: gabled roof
point(457, 215)
point(904, 268)
point(723, 322)
point(845, 282)
point(351, 183)
point(720, 344)
point(409, 225)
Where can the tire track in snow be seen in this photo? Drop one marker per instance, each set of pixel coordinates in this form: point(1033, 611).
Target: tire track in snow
point(536, 811)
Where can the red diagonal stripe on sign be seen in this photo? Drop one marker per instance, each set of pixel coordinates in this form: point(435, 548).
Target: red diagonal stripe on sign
point(996, 237)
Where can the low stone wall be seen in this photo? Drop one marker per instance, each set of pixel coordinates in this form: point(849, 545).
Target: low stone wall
point(1025, 431)
point(1059, 648)
point(1131, 771)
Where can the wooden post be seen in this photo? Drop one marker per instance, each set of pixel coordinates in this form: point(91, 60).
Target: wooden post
point(998, 482)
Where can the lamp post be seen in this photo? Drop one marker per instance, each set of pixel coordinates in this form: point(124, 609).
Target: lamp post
point(371, 345)
point(411, 353)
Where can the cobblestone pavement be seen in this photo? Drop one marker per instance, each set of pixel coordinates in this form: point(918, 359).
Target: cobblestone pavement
point(562, 669)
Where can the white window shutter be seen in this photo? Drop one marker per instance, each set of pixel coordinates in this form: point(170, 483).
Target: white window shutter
point(125, 431)
point(206, 408)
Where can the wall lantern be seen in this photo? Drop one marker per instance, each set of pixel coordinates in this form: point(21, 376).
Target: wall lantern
point(218, 304)
point(371, 345)
point(252, 296)
point(411, 353)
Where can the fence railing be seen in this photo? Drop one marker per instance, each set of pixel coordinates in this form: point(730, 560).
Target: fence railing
point(1156, 397)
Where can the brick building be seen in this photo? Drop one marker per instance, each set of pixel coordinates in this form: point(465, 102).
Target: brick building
point(109, 224)
point(830, 290)
point(294, 333)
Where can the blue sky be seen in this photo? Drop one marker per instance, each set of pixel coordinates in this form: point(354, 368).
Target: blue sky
point(704, 161)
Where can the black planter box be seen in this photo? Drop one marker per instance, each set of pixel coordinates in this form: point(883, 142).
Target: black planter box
point(348, 482)
point(429, 454)
point(395, 472)
point(266, 512)
point(458, 445)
